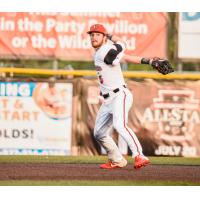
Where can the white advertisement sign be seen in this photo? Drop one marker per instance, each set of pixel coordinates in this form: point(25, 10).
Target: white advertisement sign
point(189, 35)
point(35, 118)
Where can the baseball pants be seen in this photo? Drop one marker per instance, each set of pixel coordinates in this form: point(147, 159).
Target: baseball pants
point(115, 113)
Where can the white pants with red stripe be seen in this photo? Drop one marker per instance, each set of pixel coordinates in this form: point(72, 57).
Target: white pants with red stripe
point(115, 113)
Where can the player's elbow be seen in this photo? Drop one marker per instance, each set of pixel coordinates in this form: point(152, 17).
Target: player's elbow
point(111, 56)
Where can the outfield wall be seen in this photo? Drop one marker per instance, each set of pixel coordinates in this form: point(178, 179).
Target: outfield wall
point(165, 116)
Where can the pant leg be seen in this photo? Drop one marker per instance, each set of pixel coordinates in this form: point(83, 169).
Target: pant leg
point(120, 109)
point(102, 134)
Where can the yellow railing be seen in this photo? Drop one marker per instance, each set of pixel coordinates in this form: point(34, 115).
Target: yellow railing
point(127, 74)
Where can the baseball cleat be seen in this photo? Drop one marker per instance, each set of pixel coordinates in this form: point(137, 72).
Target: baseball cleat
point(114, 165)
point(141, 161)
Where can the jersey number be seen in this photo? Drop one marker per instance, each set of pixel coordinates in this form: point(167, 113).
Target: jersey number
point(101, 79)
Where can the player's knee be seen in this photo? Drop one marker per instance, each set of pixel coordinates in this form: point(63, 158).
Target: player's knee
point(119, 127)
point(97, 133)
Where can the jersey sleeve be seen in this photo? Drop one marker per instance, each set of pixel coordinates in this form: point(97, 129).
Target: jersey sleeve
point(114, 54)
point(118, 58)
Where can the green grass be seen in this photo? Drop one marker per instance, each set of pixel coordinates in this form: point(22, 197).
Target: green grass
point(97, 183)
point(93, 159)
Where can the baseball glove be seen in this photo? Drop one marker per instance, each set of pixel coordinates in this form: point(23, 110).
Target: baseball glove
point(163, 66)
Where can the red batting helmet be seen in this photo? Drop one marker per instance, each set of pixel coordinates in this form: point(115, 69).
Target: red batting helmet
point(98, 28)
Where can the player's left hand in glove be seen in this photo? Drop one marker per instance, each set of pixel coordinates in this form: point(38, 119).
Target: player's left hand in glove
point(163, 66)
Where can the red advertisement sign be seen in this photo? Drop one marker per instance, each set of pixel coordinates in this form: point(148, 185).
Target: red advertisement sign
point(63, 35)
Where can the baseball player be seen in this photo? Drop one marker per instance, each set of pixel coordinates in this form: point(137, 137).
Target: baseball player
point(109, 50)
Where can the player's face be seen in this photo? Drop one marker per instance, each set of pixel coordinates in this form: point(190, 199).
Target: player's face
point(97, 39)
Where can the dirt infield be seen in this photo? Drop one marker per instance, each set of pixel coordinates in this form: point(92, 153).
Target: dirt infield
point(93, 172)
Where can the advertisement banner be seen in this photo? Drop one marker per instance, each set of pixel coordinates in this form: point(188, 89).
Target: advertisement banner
point(166, 121)
point(189, 35)
point(35, 118)
point(64, 35)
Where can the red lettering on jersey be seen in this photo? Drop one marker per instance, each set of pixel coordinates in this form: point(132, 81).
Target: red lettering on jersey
point(101, 79)
point(98, 68)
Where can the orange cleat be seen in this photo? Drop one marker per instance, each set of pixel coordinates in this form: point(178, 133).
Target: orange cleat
point(141, 161)
point(111, 165)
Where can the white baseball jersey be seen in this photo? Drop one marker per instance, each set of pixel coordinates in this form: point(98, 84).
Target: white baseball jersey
point(110, 76)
